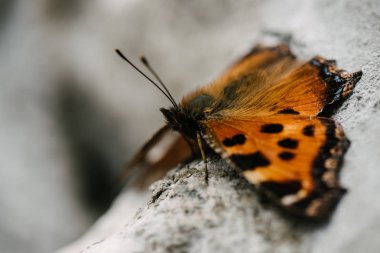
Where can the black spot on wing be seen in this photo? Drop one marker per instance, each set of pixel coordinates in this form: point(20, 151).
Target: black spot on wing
point(288, 143)
point(286, 155)
point(250, 161)
point(288, 111)
point(308, 130)
point(228, 142)
point(237, 139)
point(271, 128)
point(282, 189)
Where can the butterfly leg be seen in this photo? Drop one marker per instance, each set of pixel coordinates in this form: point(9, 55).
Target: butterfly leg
point(199, 139)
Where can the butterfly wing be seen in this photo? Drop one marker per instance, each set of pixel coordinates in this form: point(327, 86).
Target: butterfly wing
point(263, 115)
point(260, 63)
point(270, 80)
point(294, 159)
point(161, 152)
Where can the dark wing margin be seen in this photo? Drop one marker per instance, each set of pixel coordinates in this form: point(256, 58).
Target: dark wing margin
point(318, 88)
point(339, 83)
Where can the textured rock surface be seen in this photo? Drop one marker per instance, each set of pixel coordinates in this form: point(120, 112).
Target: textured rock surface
point(49, 45)
point(184, 215)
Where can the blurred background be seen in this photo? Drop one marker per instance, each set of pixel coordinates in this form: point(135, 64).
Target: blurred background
point(72, 112)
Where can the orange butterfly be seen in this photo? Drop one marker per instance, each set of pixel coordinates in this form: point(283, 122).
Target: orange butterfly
point(268, 116)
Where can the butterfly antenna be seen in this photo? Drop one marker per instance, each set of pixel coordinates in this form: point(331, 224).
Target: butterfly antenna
point(147, 65)
point(142, 73)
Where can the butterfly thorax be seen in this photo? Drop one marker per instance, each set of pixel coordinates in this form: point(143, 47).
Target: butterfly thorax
point(184, 121)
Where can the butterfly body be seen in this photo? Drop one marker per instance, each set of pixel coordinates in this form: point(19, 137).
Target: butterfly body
point(268, 116)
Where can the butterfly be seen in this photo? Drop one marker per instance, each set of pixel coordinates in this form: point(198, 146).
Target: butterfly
point(269, 116)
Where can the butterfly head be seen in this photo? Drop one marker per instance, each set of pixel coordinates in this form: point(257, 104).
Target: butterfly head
point(182, 121)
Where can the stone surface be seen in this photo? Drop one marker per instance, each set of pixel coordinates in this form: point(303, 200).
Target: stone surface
point(185, 215)
point(47, 46)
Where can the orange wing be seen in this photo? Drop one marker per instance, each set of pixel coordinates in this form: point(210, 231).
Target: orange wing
point(262, 63)
point(295, 159)
point(264, 116)
point(270, 80)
